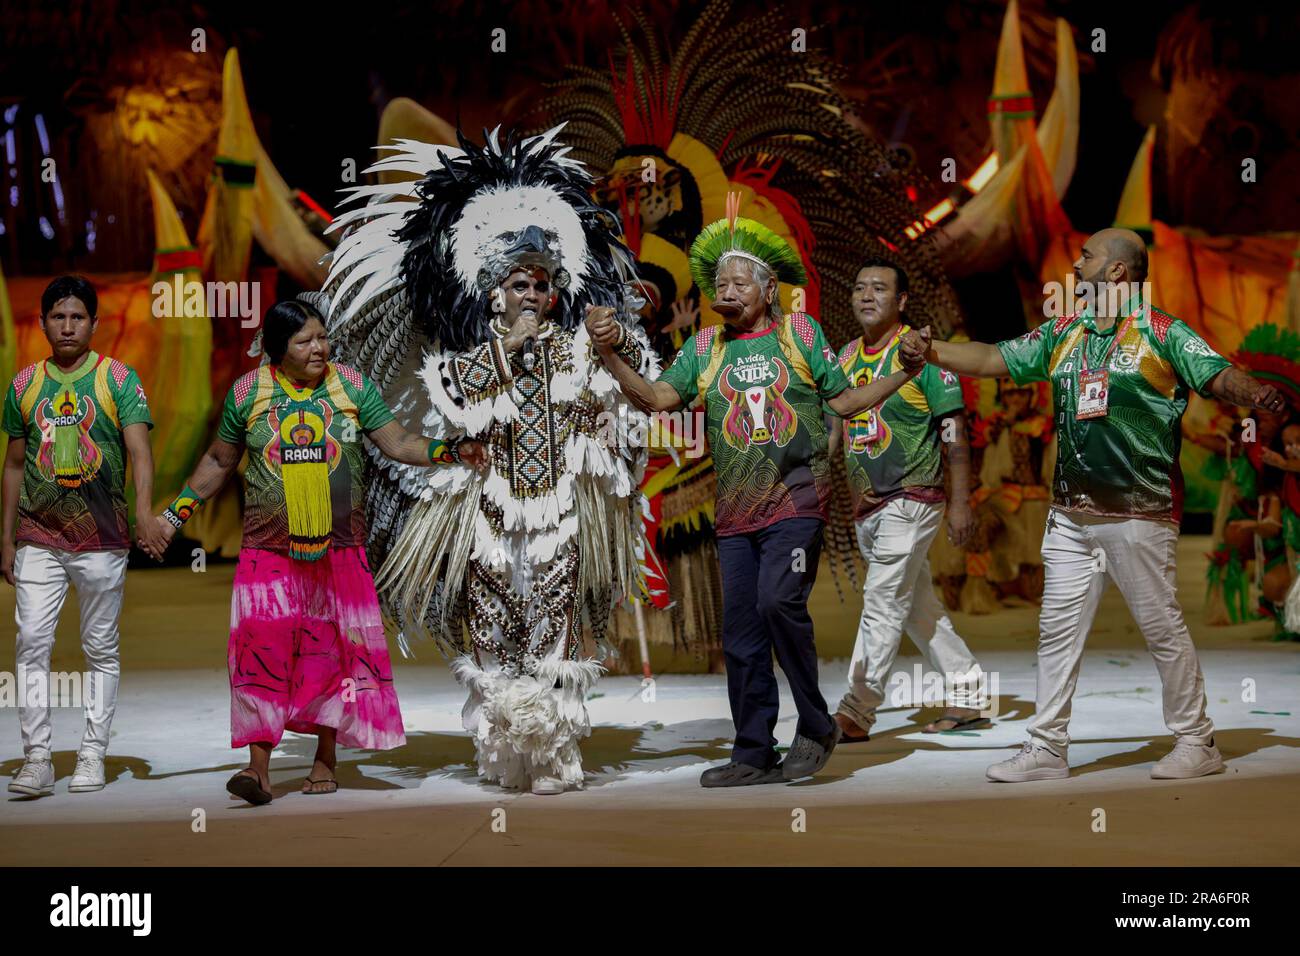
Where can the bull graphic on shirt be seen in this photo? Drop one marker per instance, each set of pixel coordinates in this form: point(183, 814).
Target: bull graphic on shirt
point(67, 454)
point(758, 412)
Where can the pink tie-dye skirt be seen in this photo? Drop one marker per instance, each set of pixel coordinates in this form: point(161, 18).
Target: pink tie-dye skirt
point(307, 651)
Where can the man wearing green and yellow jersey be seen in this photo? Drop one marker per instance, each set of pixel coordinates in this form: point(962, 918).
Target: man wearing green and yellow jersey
point(894, 453)
point(1121, 375)
point(763, 378)
point(72, 420)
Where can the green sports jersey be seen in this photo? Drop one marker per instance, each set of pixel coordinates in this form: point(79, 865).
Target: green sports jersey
point(1124, 464)
point(260, 414)
point(73, 495)
point(763, 394)
point(894, 449)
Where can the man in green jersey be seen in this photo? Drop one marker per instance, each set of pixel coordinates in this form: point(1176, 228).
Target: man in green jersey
point(71, 419)
point(1121, 370)
point(894, 454)
point(762, 377)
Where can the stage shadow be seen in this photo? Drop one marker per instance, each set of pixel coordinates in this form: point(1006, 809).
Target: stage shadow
point(890, 746)
point(65, 763)
point(1233, 744)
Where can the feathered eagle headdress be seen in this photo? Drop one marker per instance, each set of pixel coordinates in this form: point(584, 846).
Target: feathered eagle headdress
point(734, 236)
point(450, 237)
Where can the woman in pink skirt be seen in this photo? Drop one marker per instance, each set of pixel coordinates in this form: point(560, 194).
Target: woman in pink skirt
point(307, 649)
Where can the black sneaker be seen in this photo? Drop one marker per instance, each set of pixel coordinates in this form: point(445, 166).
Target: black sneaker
point(808, 755)
point(740, 775)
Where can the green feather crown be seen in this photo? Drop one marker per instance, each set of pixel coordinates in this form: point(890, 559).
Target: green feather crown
point(747, 236)
point(1272, 353)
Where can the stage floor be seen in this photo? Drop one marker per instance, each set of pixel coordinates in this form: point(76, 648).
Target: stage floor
point(904, 798)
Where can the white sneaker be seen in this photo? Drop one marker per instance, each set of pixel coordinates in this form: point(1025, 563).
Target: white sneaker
point(544, 786)
point(1188, 759)
point(89, 774)
point(36, 778)
point(1034, 762)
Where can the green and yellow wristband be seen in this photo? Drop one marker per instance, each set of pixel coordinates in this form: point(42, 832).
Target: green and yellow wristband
point(182, 508)
point(443, 452)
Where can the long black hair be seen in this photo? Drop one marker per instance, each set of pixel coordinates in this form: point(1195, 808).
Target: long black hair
point(283, 321)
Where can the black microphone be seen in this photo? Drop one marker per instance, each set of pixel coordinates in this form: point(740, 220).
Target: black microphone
point(530, 359)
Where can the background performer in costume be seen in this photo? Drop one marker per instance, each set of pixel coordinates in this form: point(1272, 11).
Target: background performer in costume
point(71, 420)
point(463, 293)
point(1120, 379)
point(307, 649)
point(762, 378)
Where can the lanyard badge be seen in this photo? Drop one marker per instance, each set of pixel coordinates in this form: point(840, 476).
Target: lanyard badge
point(1094, 384)
point(865, 428)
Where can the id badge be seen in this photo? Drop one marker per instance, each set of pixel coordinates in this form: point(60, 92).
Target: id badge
point(1094, 392)
point(865, 430)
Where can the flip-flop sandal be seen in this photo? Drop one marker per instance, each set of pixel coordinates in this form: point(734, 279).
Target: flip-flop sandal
point(846, 739)
point(317, 793)
point(248, 788)
point(959, 723)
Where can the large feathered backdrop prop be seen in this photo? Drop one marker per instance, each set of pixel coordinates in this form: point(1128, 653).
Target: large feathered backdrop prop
point(409, 285)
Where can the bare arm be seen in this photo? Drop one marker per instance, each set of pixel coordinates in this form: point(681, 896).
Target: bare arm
point(1235, 386)
point(218, 463)
point(957, 456)
point(136, 439)
point(15, 458)
point(977, 359)
point(834, 431)
point(400, 445)
point(650, 397)
point(853, 400)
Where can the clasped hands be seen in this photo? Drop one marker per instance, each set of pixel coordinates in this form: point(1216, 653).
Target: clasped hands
point(914, 350)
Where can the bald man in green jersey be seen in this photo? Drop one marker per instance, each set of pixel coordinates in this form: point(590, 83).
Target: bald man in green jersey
point(1121, 370)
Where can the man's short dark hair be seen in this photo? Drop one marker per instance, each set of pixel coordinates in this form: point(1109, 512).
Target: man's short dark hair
point(900, 277)
point(65, 286)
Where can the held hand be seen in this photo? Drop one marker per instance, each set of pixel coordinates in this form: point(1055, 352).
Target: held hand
point(154, 536)
point(8, 554)
point(149, 537)
point(961, 523)
point(1271, 457)
point(1269, 399)
point(914, 349)
point(602, 327)
point(473, 453)
point(525, 327)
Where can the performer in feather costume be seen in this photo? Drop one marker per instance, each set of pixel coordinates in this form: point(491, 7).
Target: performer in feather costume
point(463, 294)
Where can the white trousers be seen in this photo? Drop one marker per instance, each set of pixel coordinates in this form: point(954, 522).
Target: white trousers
point(898, 596)
point(42, 576)
point(1079, 553)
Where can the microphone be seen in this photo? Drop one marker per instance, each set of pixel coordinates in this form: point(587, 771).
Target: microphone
point(529, 356)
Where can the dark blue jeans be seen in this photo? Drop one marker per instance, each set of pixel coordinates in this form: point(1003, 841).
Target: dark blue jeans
point(767, 576)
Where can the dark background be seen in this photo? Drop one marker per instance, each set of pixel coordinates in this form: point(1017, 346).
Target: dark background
point(318, 76)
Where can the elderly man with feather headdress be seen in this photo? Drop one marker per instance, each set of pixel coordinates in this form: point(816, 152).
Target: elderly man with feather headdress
point(762, 377)
point(462, 293)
